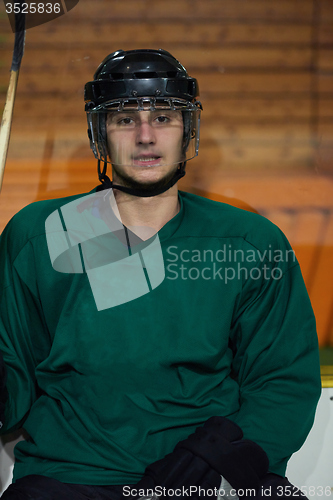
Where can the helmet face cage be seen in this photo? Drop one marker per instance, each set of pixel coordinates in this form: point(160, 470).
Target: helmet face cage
point(97, 118)
point(141, 84)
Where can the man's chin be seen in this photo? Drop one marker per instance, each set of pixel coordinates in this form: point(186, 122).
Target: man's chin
point(143, 182)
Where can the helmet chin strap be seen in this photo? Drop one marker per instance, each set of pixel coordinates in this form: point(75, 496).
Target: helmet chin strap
point(106, 183)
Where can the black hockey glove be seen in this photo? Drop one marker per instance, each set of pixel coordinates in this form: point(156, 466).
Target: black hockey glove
point(195, 466)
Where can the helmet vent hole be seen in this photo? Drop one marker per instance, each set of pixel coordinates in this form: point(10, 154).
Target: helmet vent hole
point(171, 74)
point(117, 76)
point(146, 74)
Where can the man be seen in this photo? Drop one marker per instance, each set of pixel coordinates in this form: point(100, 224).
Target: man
point(151, 338)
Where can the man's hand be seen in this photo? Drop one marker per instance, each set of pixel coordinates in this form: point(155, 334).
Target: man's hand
point(196, 465)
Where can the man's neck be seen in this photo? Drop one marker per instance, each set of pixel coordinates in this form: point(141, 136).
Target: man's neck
point(146, 216)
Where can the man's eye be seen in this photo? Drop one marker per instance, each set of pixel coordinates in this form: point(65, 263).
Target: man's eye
point(162, 119)
point(125, 121)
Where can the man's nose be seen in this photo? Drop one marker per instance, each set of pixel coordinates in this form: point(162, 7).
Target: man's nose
point(145, 133)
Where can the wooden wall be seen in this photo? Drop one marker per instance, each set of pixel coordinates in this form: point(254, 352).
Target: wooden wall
point(265, 70)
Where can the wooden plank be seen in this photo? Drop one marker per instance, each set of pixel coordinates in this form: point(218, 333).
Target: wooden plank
point(326, 11)
point(49, 109)
point(174, 33)
point(41, 59)
point(256, 134)
point(211, 59)
point(247, 159)
point(244, 83)
point(325, 33)
point(325, 59)
point(324, 159)
point(297, 11)
point(325, 133)
point(85, 33)
point(57, 179)
point(213, 32)
point(246, 109)
point(325, 83)
point(285, 192)
point(225, 58)
point(56, 144)
point(325, 107)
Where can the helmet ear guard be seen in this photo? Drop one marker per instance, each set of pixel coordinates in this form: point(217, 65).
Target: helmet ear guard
point(191, 129)
point(141, 80)
point(102, 142)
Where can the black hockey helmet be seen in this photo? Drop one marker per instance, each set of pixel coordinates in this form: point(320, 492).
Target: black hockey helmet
point(140, 80)
point(140, 73)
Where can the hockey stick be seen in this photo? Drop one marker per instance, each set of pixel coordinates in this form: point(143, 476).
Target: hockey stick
point(7, 115)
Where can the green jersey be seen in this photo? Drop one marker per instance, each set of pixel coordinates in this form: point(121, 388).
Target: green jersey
point(104, 389)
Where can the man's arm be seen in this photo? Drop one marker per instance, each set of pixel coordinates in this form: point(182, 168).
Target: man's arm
point(276, 363)
point(23, 338)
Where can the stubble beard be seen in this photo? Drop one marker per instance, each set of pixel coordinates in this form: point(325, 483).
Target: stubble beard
point(124, 179)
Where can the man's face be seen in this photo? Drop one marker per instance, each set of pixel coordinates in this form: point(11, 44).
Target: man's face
point(145, 147)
